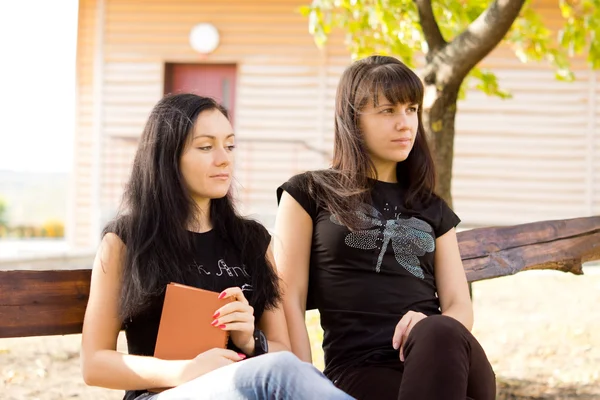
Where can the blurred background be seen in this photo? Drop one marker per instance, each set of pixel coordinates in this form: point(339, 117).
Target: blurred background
point(79, 78)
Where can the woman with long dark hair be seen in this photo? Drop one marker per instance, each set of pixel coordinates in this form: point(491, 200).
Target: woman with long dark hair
point(370, 245)
point(178, 224)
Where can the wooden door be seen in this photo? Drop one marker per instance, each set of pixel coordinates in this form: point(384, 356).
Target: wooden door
point(211, 80)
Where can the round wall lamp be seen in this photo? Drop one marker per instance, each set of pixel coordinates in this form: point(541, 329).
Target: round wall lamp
point(204, 38)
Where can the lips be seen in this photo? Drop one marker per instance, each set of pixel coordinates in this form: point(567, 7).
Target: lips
point(401, 140)
point(220, 176)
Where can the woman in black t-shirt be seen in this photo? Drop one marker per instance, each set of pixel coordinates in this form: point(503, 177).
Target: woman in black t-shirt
point(178, 224)
point(369, 244)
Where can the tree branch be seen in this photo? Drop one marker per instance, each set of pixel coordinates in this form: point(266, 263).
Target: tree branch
point(431, 30)
point(480, 38)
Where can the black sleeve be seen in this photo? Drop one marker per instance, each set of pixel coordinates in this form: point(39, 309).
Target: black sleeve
point(448, 219)
point(265, 239)
point(118, 226)
point(298, 188)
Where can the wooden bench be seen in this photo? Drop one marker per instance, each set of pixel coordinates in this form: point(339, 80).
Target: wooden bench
point(52, 302)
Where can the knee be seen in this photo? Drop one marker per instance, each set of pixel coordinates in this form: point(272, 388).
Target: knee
point(439, 329)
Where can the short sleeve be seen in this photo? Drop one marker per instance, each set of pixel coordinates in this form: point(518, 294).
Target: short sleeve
point(118, 226)
point(266, 239)
point(298, 187)
point(448, 219)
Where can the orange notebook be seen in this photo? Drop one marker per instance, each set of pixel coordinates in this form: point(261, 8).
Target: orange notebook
point(185, 330)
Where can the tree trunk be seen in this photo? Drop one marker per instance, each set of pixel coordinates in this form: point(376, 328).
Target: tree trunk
point(447, 66)
point(438, 119)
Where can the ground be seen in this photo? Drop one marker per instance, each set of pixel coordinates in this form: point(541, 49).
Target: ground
point(540, 329)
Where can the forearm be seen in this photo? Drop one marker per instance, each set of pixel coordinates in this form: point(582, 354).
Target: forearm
point(115, 370)
point(462, 312)
point(299, 335)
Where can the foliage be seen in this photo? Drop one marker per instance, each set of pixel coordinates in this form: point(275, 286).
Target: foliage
point(393, 27)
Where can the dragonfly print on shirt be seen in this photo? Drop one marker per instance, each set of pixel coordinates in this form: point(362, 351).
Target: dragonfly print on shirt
point(410, 237)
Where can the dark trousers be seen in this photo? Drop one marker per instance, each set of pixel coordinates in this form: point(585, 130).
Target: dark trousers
point(443, 361)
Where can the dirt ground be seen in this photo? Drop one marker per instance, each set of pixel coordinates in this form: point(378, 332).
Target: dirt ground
point(540, 329)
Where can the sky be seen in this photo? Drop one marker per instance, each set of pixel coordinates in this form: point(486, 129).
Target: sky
point(37, 84)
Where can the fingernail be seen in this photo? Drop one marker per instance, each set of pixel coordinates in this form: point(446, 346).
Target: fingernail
point(242, 356)
point(395, 345)
point(222, 295)
point(401, 356)
point(216, 315)
point(214, 323)
point(221, 326)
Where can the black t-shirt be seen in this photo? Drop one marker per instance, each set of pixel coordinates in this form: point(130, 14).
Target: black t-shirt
point(363, 282)
point(215, 266)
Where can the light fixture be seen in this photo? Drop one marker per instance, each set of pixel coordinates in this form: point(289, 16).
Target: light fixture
point(204, 38)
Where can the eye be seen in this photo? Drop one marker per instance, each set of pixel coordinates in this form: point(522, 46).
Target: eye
point(204, 148)
point(413, 109)
point(231, 147)
point(387, 111)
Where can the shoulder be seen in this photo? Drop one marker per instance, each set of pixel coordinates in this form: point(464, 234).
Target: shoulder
point(305, 189)
point(298, 181)
point(257, 230)
point(306, 182)
point(119, 227)
point(445, 218)
point(110, 254)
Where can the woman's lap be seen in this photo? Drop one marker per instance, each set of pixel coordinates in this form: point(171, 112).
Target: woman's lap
point(380, 382)
point(277, 376)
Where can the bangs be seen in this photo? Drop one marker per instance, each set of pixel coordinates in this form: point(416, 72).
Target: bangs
point(398, 84)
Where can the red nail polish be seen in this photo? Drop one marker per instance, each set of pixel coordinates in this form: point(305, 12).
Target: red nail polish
point(214, 323)
point(216, 315)
point(222, 295)
point(242, 356)
point(221, 326)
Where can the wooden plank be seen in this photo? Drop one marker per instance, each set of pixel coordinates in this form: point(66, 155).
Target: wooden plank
point(53, 302)
point(561, 245)
point(36, 303)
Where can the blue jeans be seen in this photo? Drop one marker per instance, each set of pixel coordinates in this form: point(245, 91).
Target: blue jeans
point(273, 376)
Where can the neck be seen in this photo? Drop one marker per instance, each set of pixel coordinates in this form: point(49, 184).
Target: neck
point(201, 221)
point(386, 172)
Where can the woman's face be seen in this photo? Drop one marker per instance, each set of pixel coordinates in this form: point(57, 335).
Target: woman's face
point(207, 160)
point(389, 130)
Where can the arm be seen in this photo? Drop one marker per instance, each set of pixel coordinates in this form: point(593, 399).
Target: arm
point(238, 318)
point(293, 238)
point(273, 322)
point(101, 364)
point(451, 281)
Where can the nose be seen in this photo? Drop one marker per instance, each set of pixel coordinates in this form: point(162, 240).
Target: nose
point(222, 158)
point(401, 121)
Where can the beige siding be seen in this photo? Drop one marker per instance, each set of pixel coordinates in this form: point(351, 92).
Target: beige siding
point(523, 159)
point(80, 229)
point(595, 138)
point(280, 76)
point(534, 157)
point(528, 158)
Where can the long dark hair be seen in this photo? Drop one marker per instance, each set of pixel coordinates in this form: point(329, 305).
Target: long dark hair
point(346, 185)
point(157, 208)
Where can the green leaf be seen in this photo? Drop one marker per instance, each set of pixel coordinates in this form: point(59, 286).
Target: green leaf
point(392, 27)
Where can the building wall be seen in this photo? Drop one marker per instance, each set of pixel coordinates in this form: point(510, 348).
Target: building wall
point(534, 157)
point(80, 224)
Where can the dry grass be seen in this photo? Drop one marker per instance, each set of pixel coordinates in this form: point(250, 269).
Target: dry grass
point(541, 331)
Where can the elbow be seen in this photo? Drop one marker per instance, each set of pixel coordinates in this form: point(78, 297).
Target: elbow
point(88, 370)
point(462, 312)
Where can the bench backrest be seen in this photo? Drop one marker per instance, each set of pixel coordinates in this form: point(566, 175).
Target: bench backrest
point(53, 302)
